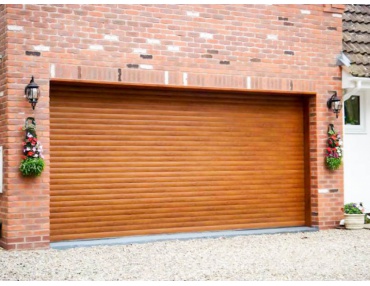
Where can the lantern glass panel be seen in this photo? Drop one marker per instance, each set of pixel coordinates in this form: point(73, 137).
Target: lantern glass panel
point(337, 105)
point(34, 92)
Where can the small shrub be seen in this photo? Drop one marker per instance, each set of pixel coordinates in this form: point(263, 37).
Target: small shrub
point(353, 208)
point(333, 163)
point(367, 218)
point(32, 167)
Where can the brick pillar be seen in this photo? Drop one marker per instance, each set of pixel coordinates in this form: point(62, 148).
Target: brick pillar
point(330, 188)
point(25, 201)
point(3, 97)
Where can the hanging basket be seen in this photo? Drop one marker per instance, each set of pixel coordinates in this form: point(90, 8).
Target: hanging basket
point(32, 164)
point(334, 153)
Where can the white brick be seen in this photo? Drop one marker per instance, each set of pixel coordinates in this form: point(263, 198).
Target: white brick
point(153, 41)
point(173, 48)
point(192, 14)
point(206, 35)
point(337, 15)
point(185, 78)
point(249, 84)
point(41, 48)
point(146, 67)
point(52, 70)
point(111, 37)
point(139, 51)
point(308, 12)
point(96, 47)
point(15, 28)
point(272, 37)
point(1, 94)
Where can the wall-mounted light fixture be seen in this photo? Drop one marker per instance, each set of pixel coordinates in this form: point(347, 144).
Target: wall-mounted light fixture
point(334, 104)
point(32, 92)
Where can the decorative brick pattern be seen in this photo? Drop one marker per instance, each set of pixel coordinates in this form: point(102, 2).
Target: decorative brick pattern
point(80, 49)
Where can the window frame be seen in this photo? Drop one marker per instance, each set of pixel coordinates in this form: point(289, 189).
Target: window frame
point(357, 129)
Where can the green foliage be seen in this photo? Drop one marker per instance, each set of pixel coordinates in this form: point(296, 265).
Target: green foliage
point(32, 167)
point(333, 163)
point(367, 218)
point(351, 208)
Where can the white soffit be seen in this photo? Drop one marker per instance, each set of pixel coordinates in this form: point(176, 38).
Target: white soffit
point(349, 81)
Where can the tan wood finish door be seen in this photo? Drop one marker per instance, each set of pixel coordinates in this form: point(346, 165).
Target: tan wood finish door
point(138, 161)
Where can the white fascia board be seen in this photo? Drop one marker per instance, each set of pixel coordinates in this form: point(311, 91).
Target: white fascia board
point(352, 82)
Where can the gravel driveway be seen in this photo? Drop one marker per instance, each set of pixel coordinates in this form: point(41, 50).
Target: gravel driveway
point(325, 255)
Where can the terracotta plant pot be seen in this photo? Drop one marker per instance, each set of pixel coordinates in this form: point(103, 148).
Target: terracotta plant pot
point(354, 221)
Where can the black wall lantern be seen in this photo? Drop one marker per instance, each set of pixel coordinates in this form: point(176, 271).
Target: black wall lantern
point(334, 104)
point(32, 92)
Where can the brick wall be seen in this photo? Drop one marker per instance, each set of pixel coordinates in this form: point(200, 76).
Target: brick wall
point(264, 47)
point(2, 94)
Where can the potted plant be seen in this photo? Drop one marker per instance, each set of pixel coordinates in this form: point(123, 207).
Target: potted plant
point(354, 216)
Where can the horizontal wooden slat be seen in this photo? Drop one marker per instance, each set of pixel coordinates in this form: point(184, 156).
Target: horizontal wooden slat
point(153, 96)
point(168, 187)
point(140, 161)
point(94, 215)
point(147, 224)
point(166, 182)
point(168, 205)
point(137, 220)
point(169, 158)
point(146, 179)
point(189, 192)
point(194, 228)
point(130, 200)
point(91, 170)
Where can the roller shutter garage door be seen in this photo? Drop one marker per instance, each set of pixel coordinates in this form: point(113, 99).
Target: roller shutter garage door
point(138, 161)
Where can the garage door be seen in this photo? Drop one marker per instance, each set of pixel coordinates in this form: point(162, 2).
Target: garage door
point(135, 161)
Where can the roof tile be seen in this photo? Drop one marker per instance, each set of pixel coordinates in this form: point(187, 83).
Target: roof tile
point(356, 38)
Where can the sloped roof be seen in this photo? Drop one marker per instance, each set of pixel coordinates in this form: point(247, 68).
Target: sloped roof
point(356, 38)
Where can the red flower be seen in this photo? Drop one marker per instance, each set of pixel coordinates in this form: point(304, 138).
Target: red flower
point(30, 153)
point(24, 157)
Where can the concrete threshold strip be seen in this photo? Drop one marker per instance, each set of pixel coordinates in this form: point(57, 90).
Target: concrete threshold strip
point(176, 236)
